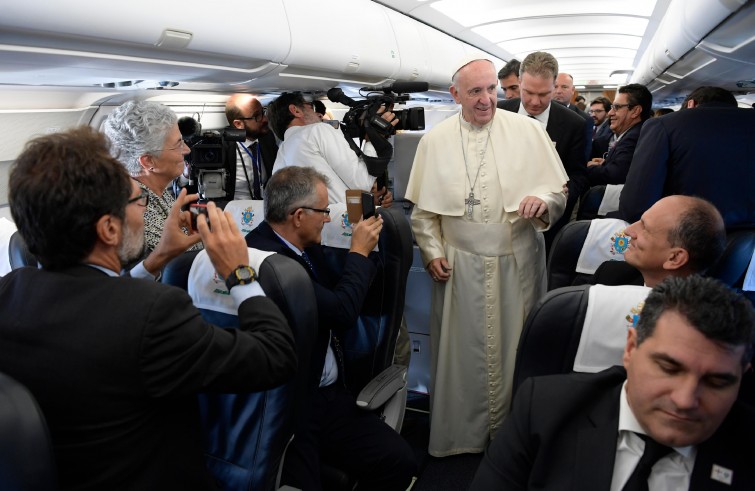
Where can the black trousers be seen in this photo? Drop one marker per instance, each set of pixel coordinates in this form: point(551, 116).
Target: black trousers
point(355, 441)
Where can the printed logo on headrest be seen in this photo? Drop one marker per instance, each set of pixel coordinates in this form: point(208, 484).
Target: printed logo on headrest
point(634, 315)
point(247, 220)
point(219, 285)
point(345, 225)
point(619, 242)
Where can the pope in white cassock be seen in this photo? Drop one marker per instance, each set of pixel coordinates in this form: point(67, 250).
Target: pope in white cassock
point(485, 184)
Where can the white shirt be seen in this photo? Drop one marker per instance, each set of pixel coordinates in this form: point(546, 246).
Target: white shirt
point(670, 473)
point(542, 118)
point(325, 149)
point(245, 162)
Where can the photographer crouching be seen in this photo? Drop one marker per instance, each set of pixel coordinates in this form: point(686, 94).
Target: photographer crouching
point(309, 143)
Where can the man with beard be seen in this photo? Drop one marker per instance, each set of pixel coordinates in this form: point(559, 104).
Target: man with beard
point(115, 363)
point(256, 155)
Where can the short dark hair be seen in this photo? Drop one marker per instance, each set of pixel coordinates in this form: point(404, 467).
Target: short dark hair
point(579, 98)
point(701, 232)
point(708, 93)
point(639, 95)
point(318, 106)
point(603, 100)
point(716, 311)
point(662, 111)
point(511, 67)
point(60, 186)
point(290, 188)
point(278, 115)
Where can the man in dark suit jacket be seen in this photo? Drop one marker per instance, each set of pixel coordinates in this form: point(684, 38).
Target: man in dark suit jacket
point(630, 109)
point(563, 95)
point(565, 127)
point(334, 431)
point(255, 156)
point(705, 149)
point(683, 365)
point(116, 362)
point(677, 236)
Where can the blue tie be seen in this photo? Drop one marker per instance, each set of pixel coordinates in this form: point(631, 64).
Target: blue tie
point(256, 185)
point(305, 256)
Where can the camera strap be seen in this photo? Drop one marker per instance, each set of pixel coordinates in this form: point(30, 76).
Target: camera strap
point(376, 166)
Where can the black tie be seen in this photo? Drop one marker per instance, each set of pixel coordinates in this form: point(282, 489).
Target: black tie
point(654, 451)
point(256, 187)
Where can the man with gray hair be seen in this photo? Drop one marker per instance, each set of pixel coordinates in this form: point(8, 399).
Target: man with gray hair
point(537, 82)
point(477, 222)
point(334, 430)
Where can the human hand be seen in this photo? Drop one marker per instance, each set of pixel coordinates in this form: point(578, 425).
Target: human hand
point(532, 207)
point(439, 269)
point(222, 239)
point(595, 161)
point(365, 234)
point(383, 198)
point(173, 240)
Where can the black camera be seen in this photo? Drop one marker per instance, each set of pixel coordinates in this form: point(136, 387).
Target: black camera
point(365, 112)
point(213, 153)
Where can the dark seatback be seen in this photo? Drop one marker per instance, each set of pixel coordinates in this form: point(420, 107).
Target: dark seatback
point(590, 203)
point(246, 434)
point(564, 254)
point(551, 334)
point(27, 462)
point(19, 254)
point(369, 347)
point(731, 267)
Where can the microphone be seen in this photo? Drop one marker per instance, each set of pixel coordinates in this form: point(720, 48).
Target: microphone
point(400, 87)
point(189, 127)
point(336, 95)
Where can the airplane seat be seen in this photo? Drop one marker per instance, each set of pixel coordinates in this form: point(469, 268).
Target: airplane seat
point(19, 254)
point(369, 347)
point(590, 203)
point(246, 434)
point(581, 247)
point(27, 461)
point(577, 328)
point(564, 253)
point(247, 213)
point(731, 267)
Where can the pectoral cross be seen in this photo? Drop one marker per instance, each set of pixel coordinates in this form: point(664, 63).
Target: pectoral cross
point(470, 202)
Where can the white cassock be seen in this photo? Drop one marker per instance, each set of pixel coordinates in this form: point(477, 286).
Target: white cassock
point(497, 261)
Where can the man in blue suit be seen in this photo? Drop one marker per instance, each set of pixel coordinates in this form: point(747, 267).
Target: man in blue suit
point(705, 149)
point(334, 431)
point(674, 400)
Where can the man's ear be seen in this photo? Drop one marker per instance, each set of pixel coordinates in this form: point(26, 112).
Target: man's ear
point(630, 346)
point(455, 94)
point(295, 110)
point(238, 124)
point(691, 104)
point(108, 230)
point(678, 258)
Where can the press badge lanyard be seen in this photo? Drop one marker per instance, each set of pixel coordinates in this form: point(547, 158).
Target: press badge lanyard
point(255, 164)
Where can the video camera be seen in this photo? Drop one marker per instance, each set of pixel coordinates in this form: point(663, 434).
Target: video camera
point(212, 155)
point(365, 112)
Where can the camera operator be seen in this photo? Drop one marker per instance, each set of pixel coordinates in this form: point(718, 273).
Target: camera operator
point(306, 142)
point(256, 155)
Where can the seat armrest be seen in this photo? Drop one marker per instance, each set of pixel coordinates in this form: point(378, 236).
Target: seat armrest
point(382, 387)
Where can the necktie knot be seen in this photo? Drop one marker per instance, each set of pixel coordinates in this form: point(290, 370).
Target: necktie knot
point(653, 452)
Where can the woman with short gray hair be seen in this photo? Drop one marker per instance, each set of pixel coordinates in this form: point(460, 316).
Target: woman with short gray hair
point(147, 142)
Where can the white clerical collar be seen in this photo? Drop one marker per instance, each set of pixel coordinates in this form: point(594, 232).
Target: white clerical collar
point(470, 127)
point(542, 117)
point(628, 422)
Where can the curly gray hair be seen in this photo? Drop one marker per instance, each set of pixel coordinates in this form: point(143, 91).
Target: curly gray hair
point(138, 128)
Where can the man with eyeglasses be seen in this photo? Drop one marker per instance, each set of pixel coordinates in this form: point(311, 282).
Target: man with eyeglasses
point(256, 155)
point(334, 430)
point(631, 107)
point(305, 142)
point(116, 362)
point(602, 134)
